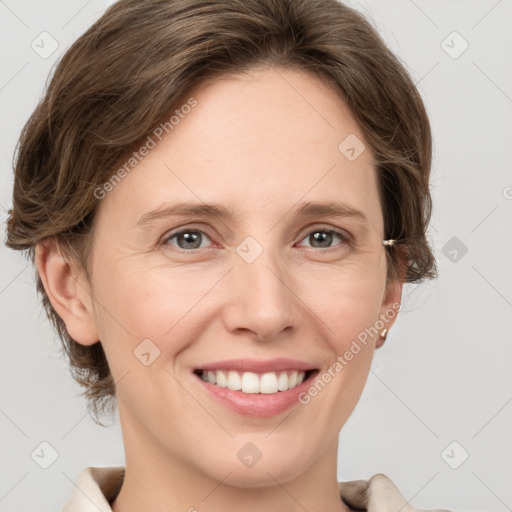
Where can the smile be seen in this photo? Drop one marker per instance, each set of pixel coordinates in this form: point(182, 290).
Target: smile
point(251, 382)
point(255, 387)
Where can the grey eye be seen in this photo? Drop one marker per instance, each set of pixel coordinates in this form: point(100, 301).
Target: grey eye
point(188, 239)
point(323, 238)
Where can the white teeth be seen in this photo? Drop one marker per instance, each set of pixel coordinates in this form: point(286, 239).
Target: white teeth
point(234, 382)
point(222, 380)
point(292, 379)
point(282, 382)
point(250, 382)
point(268, 383)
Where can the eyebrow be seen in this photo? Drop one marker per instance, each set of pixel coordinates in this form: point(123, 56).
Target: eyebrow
point(211, 210)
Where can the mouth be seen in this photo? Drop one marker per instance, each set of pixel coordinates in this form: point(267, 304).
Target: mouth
point(268, 383)
point(257, 388)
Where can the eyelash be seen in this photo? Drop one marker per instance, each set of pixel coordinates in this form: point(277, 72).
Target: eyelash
point(346, 239)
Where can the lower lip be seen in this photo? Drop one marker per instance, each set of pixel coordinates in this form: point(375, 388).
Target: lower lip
point(257, 404)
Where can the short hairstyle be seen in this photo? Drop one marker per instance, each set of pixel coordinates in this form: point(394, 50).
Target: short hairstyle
point(128, 72)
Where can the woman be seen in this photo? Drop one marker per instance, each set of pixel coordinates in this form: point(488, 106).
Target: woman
point(223, 201)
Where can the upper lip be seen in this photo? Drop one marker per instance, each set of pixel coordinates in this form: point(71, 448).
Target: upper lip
point(258, 366)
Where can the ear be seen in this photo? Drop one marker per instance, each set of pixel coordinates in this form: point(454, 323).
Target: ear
point(390, 305)
point(67, 291)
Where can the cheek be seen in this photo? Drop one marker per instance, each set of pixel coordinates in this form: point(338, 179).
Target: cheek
point(349, 315)
point(353, 319)
point(137, 303)
point(346, 302)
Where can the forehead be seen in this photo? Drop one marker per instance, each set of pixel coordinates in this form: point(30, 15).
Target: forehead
point(260, 142)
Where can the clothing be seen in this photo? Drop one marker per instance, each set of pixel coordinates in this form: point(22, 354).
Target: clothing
point(97, 487)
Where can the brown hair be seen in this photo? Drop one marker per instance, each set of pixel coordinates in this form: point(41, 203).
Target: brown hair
point(132, 67)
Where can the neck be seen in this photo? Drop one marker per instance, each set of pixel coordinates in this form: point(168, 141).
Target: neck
point(158, 480)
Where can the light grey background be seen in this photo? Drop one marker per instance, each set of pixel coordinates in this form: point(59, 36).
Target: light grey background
point(443, 375)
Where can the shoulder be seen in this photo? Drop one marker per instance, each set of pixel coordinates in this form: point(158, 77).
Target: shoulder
point(379, 494)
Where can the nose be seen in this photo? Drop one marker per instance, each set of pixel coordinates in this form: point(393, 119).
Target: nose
point(262, 299)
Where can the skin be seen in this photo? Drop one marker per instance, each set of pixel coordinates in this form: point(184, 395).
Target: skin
point(260, 144)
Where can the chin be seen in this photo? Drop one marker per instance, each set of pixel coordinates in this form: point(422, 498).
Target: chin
point(273, 465)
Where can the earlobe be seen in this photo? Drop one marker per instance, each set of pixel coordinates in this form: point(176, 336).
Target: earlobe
point(67, 294)
point(389, 309)
point(382, 338)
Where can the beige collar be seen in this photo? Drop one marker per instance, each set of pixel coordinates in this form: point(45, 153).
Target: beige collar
point(96, 488)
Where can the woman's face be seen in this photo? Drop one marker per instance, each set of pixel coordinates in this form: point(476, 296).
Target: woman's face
point(177, 293)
